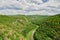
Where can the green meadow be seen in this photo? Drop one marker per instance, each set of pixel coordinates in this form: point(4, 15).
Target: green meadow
point(24, 27)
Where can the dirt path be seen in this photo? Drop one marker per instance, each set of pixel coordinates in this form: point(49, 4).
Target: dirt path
point(32, 34)
point(31, 38)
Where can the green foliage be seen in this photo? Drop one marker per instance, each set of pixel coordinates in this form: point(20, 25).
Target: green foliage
point(49, 29)
point(17, 27)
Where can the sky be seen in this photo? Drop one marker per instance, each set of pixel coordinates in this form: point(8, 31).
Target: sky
point(29, 7)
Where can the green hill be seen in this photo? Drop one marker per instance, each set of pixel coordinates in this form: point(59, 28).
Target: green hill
point(49, 29)
point(21, 27)
point(18, 27)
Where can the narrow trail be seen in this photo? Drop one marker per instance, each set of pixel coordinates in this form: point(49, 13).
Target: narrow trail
point(32, 34)
point(31, 38)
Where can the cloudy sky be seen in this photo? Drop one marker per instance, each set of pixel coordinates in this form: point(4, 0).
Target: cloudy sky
point(30, 7)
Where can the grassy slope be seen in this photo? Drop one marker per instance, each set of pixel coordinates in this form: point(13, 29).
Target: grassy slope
point(18, 27)
point(49, 29)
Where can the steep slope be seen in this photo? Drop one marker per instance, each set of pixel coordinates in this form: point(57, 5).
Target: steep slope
point(49, 29)
point(18, 27)
point(15, 27)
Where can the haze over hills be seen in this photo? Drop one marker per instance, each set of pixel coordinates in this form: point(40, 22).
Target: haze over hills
point(29, 7)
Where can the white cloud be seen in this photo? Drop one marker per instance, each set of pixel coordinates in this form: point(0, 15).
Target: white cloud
point(29, 7)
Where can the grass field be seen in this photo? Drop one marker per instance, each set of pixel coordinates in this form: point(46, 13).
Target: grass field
point(20, 27)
